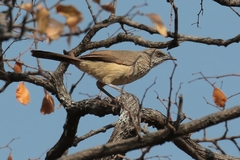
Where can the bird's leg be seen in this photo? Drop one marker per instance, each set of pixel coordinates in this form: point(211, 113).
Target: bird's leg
point(99, 95)
point(100, 86)
point(115, 87)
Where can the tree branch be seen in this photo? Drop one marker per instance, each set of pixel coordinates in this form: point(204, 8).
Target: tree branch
point(155, 138)
point(233, 3)
point(158, 137)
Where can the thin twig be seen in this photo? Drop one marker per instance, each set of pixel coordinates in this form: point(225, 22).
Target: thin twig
point(94, 132)
point(160, 100)
point(180, 113)
point(234, 11)
point(75, 84)
point(91, 11)
point(217, 77)
point(170, 92)
point(198, 15)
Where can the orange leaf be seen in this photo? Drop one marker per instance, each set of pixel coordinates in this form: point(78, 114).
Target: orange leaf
point(60, 105)
point(42, 16)
point(27, 6)
point(219, 97)
point(54, 29)
point(18, 67)
point(22, 94)
point(10, 156)
point(97, 1)
point(157, 21)
point(47, 104)
point(108, 7)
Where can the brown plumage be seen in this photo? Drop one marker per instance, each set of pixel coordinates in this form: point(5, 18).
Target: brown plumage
point(112, 67)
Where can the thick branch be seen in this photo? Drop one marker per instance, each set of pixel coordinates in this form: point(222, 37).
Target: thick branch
point(86, 44)
point(74, 112)
point(196, 151)
point(233, 3)
point(127, 124)
point(158, 137)
point(15, 77)
point(67, 138)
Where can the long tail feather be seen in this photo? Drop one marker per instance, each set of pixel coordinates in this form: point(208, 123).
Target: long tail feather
point(54, 56)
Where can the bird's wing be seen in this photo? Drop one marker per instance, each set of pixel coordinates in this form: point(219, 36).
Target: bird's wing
point(122, 57)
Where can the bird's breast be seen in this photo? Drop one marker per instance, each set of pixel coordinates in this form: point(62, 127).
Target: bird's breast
point(112, 73)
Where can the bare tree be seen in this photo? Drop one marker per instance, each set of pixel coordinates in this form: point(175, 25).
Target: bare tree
point(131, 130)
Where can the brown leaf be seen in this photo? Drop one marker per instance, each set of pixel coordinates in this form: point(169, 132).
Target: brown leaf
point(97, 1)
point(69, 39)
point(72, 14)
point(108, 7)
point(47, 104)
point(54, 30)
point(10, 156)
point(27, 6)
point(42, 16)
point(219, 97)
point(22, 94)
point(18, 67)
point(157, 21)
point(67, 11)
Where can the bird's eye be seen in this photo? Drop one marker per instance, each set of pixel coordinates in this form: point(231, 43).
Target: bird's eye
point(158, 54)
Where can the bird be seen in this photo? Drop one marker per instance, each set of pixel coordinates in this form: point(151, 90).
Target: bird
point(112, 67)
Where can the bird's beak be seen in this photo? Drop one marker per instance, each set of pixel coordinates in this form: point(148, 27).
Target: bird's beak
point(170, 58)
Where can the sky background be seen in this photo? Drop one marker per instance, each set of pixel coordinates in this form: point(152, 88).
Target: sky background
point(39, 133)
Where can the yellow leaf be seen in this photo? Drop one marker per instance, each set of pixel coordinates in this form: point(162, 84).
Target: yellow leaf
point(72, 23)
point(108, 7)
point(47, 104)
point(10, 156)
point(157, 21)
point(219, 97)
point(27, 6)
point(54, 29)
point(18, 67)
point(42, 16)
point(22, 94)
point(97, 1)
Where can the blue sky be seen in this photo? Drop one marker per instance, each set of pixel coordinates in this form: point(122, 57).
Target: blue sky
point(39, 132)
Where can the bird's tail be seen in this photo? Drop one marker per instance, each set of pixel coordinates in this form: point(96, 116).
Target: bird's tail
point(54, 56)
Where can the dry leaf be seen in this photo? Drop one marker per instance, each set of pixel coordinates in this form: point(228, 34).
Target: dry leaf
point(10, 156)
point(47, 104)
point(69, 39)
point(22, 94)
point(27, 6)
point(18, 67)
point(42, 16)
point(67, 11)
point(72, 14)
point(108, 7)
point(60, 105)
point(72, 23)
point(54, 30)
point(157, 21)
point(219, 97)
point(97, 1)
